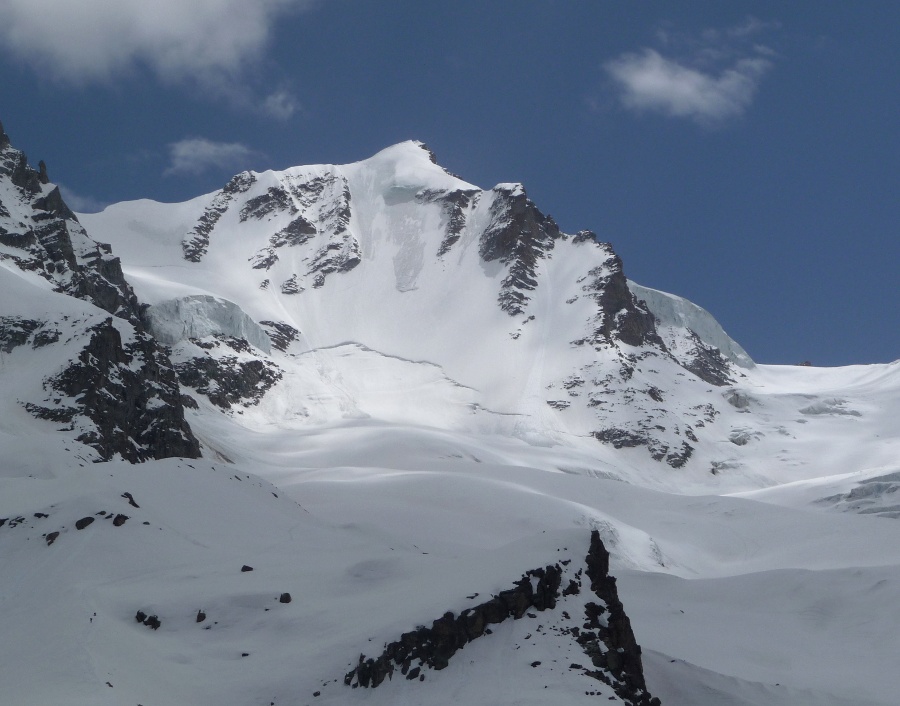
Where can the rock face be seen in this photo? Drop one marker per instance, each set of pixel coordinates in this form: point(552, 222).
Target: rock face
point(319, 210)
point(620, 315)
point(622, 656)
point(15, 332)
point(45, 237)
point(280, 333)
point(129, 394)
point(456, 204)
point(434, 646)
point(518, 235)
point(228, 379)
point(118, 393)
point(196, 242)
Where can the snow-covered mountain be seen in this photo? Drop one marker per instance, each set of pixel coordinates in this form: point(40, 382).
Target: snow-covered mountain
point(397, 431)
point(394, 259)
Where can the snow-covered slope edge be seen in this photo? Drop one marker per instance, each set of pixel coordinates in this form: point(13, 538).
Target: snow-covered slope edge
point(673, 313)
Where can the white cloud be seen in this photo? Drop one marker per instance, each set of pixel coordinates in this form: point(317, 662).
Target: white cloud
point(88, 40)
point(651, 82)
point(196, 155)
point(716, 78)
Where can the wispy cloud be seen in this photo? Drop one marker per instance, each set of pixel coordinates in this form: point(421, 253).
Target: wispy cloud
point(79, 202)
point(197, 154)
point(712, 79)
point(208, 43)
point(281, 104)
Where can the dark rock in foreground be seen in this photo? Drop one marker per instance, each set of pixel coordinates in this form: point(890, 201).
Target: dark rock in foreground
point(607, 638)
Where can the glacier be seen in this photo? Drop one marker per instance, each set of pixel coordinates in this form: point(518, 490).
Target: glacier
point(202, 315)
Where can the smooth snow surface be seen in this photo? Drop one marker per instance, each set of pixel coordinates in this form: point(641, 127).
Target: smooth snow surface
point(407, 459)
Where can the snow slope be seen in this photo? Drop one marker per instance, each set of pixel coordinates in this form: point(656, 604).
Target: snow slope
point(434, 393)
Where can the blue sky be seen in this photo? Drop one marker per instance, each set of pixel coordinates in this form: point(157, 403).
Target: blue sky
point(744, 155)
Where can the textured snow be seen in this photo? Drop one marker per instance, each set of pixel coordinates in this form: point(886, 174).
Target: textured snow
point(201, 315)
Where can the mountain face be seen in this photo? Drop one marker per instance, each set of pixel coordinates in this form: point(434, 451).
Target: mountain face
point(116, 389)
point(404, 441)
point(369, 253)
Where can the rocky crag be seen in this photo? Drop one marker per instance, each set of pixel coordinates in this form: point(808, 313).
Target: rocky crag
point(604, 632)
point(117, 391)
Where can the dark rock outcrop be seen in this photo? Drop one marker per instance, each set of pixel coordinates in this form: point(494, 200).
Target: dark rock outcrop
point(325, 202)
point(659, 451)
point(620, 315)
point(435, 646)
point(606, 637)
point(122, 393)
point(128, 395)
point(196, 242)
point(336, 256)
point(291, 286)
point(519, 235)
point(677, 459)
point(275, 200)
point(621, 438)
point(281, 334)
point(151, 621)
point(708, 363)
point(297, 232)
point(52, 243)
point(16, 331)
point(455, 206)
point(622, 655)
point(227, 380)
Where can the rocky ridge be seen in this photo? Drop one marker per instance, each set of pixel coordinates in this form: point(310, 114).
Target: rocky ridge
point(605, 633)
point(119, 393)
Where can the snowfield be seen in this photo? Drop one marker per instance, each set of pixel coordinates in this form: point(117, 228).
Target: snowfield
point(383, 443)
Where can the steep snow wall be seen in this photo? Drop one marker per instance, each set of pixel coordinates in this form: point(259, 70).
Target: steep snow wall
point(202, 315)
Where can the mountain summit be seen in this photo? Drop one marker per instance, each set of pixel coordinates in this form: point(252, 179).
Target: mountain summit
point(400, 258)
